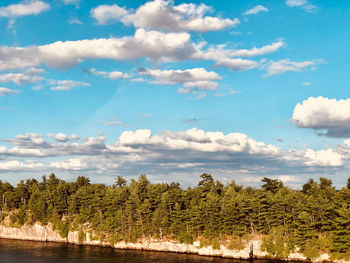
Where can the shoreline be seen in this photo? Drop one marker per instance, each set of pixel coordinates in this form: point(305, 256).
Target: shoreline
point(40, 233)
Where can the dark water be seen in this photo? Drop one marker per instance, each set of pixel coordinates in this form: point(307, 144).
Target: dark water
point(13, 251)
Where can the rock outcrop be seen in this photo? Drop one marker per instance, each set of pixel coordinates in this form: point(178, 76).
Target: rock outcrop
point(37, 232)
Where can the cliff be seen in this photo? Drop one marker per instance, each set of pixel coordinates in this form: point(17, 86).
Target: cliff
point(37, 232)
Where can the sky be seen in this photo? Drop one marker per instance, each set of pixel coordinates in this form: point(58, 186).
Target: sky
point(173, 89)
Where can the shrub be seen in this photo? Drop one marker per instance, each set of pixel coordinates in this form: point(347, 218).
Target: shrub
point(185, 237)
point(236, 243)
point(311, 250)
point(215, 244)
point(81, 236)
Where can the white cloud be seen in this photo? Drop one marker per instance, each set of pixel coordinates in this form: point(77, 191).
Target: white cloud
point(67, 84)
point(105, 14)
point(163, 15)
point(221, 52)
point(296, 2)
point(307, 83)
point(257, 51)
point(255, 10)
point(150, 44)
point(179, 76)
point(113, 122)
point(329, 117)
point(6, 91)
point(111, 75)
point(75, 21)
point(284, 65)
point(15, 165)
point(187, 152)
point(236, 63)
point(71, 2)
point(301, 3)
point(19, 78)
point(323, 158)
point(224, 57)
point(30, 75)
point(24, 8)
point(192, 80)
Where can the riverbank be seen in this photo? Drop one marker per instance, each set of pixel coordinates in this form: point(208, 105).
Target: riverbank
point(37, 232)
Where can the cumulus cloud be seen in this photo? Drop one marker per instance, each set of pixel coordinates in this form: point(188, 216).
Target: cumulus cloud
point(150, 44)
point(192, 80)
point(329, 117)
point(163, 15)
point(140, 151)
point(255, 10)
point(105, 14)
point(6, 91)
point(27, 77)
point(60, 85)
point(324, 158)
point(153, 45)
point(284, 65)
point(15, 165)
point(24, 8)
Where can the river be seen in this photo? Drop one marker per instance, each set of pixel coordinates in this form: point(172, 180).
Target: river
point(15, 251)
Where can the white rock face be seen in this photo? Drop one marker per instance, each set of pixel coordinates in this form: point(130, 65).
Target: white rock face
point(46, 233)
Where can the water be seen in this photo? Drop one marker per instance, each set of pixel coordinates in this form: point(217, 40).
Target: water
point(14, 251)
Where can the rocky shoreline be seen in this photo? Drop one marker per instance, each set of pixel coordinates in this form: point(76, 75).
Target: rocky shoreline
point(37, 232)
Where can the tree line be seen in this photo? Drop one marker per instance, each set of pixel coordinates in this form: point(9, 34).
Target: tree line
point(315, 219)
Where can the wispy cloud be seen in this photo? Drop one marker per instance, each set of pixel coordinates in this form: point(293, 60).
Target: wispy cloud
point(256, 9)
point(64, 85)
point(284, 65)
point(304, 4)
point(6, 91)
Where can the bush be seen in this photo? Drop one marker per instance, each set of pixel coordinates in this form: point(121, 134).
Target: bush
point(63, 229)
point(204, 243)
point(277, 244)
point(185, 237)
point(215, 244)
point(236, 243)
point(81, 236)
point(311, 250)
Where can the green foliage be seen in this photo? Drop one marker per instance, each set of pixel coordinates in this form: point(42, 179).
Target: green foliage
point(204, 243)
point(277, 243)
point(63, 229)
point(271, 185)
point(236, 243)
point(314, 220)
point(311, 250)
point(215, 244)
point(185, 237)
point(81, 236)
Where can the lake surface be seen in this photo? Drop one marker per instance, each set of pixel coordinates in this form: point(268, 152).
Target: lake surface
point(13, 251)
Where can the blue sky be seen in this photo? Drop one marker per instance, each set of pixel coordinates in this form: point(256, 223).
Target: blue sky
point(173, 89)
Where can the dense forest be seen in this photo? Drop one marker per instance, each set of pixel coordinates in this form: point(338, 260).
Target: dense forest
point(314, 220)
